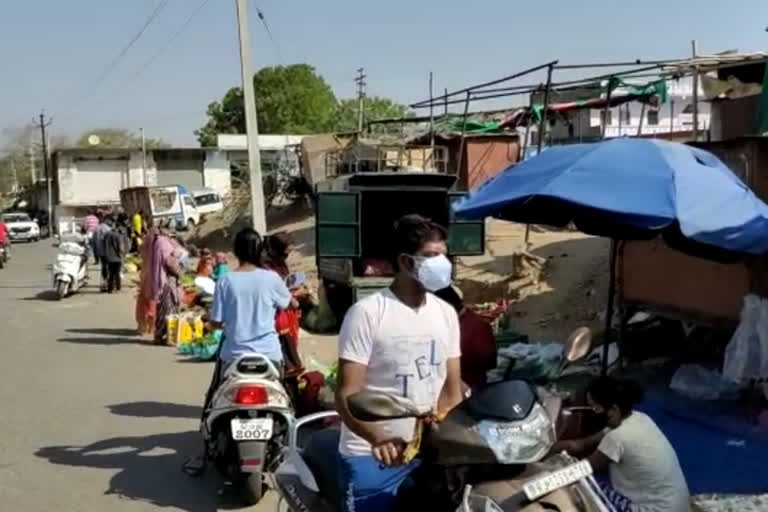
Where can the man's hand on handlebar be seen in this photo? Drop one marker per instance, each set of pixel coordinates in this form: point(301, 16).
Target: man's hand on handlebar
point(389, 452)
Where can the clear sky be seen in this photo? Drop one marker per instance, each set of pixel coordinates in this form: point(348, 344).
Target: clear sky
point(53, 51)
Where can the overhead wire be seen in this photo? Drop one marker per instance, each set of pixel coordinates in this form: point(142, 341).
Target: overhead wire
point(168, 42)
point(113, 64)
point(260, 14)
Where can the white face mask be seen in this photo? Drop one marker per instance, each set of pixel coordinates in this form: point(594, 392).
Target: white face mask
point(434, 273)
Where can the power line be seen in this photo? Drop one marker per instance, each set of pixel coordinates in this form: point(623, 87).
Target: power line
point(260, 14)
point(113, 64)
point(170, 41)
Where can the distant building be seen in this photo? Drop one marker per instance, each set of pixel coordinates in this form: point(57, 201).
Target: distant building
point(674, 116)
point(88, 177)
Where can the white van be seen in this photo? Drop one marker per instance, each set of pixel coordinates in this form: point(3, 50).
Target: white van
point(207, 201)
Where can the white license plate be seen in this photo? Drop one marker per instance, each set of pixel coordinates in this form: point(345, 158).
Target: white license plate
point(252, 429)
point(546, 484)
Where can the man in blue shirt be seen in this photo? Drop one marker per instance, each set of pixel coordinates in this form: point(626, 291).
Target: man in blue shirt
point(245, 303)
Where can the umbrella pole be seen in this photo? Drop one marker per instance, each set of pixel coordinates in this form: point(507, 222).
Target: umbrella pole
point(609, 307)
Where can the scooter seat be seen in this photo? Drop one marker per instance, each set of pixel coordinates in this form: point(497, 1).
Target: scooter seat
point(321, 454)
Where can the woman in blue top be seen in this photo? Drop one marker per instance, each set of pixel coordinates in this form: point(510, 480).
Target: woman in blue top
point(245, 303)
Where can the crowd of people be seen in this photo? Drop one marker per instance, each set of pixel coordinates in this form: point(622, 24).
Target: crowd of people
point(415, 338)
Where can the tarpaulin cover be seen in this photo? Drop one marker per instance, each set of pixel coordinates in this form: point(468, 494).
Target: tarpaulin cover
point(614, 188)
point(720, 451)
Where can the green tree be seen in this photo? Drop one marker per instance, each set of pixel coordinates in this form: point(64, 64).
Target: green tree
point(346, 117)
point(117, 138)
point(289, 99)
point(225, 117)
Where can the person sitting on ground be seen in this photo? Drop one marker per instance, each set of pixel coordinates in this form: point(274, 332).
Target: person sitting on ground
point(478, 345)
point(645, 475)
point(222, 266)
point(205, 265)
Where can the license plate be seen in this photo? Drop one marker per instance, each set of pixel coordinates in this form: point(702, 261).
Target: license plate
point(252, 429)
point(546, 484)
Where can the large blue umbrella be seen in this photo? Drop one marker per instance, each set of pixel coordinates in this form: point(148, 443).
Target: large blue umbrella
point(627, 189)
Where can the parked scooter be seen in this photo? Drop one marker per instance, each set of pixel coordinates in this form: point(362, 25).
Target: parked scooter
point(488, 453)
point(246, 424)
point(70, 271)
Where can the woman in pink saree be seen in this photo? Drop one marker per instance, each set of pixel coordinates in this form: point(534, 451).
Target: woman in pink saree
point(159, 291)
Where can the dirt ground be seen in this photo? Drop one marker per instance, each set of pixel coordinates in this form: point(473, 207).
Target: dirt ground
point(561, 285)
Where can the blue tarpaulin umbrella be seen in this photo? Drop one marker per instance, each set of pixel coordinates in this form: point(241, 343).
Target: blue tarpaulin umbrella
point(627, 189)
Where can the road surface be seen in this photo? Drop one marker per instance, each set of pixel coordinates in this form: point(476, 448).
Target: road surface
point(92, 419)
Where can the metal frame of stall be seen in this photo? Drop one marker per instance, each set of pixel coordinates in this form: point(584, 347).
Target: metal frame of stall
point(658, 69)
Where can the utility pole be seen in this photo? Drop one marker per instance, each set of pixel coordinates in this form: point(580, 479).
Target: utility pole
point(360, 81)
point(695, 93)
point(43, 124)
point(258, 208)
point(32, 169)
point(143, 157)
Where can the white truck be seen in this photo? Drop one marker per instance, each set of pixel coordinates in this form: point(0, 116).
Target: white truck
point(172, 202)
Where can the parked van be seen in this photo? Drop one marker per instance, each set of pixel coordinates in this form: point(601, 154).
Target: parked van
point(207, 201)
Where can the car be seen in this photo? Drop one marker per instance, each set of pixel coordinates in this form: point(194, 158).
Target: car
point(20, 227)
point(207, 201)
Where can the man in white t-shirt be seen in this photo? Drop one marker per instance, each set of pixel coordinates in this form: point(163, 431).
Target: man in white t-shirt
point(403, 341)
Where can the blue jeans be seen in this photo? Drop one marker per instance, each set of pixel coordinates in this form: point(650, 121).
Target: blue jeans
point(369, 487)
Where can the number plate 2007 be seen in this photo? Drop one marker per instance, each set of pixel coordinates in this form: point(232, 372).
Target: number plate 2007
point(252, 429)
point(538, 487)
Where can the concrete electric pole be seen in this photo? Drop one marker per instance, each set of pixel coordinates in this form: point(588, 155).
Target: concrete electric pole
point(42, 124)
point(143, 157)
point(258, 208)
point(360, 81)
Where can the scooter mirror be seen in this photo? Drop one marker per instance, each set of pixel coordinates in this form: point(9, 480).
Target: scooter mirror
point(578, 345)
point(377, 406)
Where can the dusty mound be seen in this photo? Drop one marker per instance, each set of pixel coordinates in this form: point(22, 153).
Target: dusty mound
point(558, 284)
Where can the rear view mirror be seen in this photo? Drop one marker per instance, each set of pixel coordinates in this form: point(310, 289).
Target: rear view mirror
point(377, 406)
point(578, 345)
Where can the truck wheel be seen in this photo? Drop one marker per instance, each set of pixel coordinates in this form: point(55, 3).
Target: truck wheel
point(62, 287)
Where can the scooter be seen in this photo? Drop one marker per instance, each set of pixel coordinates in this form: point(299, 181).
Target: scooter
point(70, 271)
point(246, 424)
point(490, 453)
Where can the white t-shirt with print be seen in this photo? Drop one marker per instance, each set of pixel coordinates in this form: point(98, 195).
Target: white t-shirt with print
point(644, 466)
point(405, 350)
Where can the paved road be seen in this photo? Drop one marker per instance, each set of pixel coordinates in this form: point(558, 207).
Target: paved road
point(91, 418)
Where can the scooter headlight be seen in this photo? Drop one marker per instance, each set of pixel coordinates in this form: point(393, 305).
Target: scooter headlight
point(519, 442)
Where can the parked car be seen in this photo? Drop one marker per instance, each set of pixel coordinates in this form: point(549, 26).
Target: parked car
point(21, 227)
point(207, 201)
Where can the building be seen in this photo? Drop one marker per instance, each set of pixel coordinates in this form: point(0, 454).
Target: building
point(633, 119)
point(88, 177)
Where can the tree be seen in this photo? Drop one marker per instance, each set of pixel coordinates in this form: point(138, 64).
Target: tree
point(225, 117)
point(21, 156)
point(293, 99)
point(345, 119)
point(118, 138)
point(289, 99)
